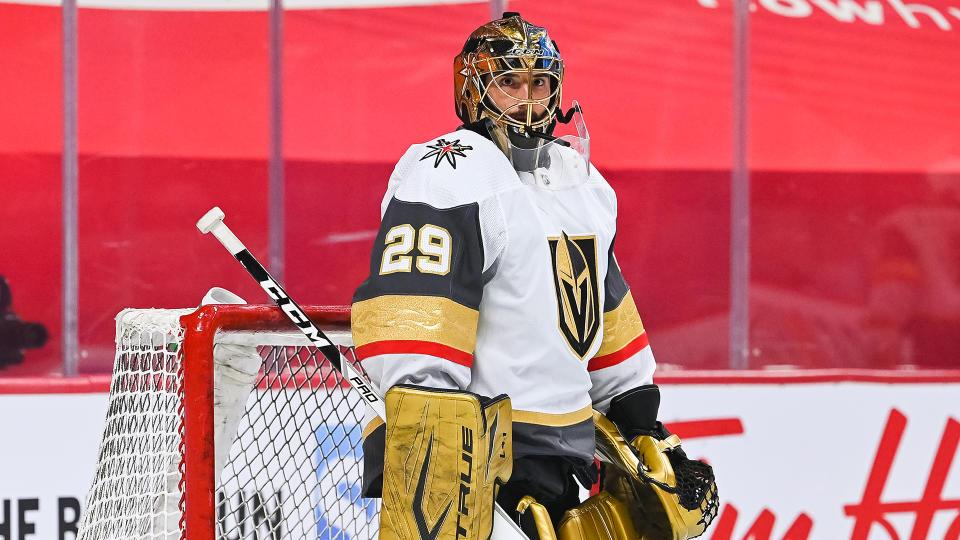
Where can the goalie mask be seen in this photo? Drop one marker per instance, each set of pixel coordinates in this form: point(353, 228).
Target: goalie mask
point(511, 73)
point(496, 59)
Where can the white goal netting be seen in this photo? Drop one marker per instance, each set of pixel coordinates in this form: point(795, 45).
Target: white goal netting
point(293, 429)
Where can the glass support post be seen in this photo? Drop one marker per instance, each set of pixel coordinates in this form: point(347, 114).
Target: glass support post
point(275, 198)
point(69, 269)
point(740, 193)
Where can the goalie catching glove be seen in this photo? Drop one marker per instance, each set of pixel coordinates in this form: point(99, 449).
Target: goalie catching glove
point(446, 454)
point(669, 496)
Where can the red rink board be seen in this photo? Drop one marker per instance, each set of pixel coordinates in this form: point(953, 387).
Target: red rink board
point(101, 383)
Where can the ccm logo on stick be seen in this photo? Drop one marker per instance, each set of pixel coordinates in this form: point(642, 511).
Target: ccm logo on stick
point(293, 311)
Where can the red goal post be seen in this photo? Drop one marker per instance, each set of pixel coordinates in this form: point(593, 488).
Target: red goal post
point(293, 467)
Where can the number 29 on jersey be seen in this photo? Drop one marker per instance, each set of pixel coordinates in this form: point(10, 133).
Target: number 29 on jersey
point(433, 243)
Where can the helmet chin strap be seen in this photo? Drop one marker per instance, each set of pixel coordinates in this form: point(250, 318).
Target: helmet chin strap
point(524, 137)
point(528, 137)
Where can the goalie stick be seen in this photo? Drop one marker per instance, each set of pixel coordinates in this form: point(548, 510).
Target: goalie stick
point(504, 528)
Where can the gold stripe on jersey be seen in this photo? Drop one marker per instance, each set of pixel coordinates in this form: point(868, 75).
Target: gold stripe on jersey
point(432, 319)
point(553, 420)
point(621, 326)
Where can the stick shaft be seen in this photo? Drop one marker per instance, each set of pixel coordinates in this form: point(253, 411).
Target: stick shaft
point(295, 313)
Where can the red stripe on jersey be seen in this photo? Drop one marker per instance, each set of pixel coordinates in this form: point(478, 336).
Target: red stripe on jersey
point(614, 358)
point(402, 346)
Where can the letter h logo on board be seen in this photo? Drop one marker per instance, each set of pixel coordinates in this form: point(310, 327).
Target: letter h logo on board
point(871, 511)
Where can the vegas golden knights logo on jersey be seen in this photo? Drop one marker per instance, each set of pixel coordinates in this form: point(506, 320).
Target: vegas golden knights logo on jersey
point(575, 280)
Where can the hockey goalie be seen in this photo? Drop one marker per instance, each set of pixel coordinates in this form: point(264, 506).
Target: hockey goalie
point(498, 324)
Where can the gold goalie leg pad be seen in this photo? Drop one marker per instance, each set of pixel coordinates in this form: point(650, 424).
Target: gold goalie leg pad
point(446, 454)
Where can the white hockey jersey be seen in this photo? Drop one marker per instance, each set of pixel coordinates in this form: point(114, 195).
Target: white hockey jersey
point(498, 282)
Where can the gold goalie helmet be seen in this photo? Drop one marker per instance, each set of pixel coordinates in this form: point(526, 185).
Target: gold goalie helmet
point(509, 78)
point(507, 46)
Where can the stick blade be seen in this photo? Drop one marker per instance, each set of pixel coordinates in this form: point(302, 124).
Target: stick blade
point(210, 219)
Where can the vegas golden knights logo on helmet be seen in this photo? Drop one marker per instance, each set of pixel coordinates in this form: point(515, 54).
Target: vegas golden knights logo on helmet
point(575, 280)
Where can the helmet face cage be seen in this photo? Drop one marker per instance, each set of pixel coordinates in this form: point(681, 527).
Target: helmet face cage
point(539, 110)
point(508, 46)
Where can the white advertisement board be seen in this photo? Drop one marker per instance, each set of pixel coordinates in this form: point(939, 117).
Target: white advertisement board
point(815, 460)
point(831, 461)
point(48, 449)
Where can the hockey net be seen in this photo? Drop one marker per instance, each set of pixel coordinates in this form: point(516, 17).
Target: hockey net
point(224, 423)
